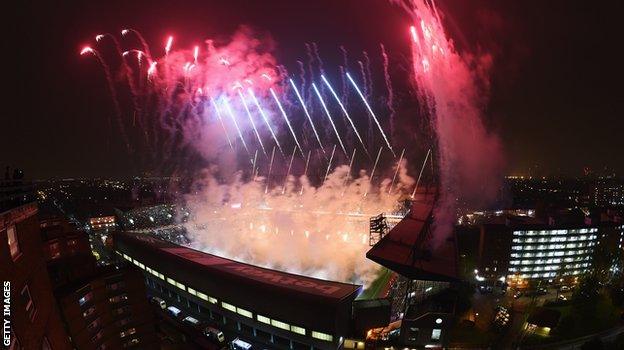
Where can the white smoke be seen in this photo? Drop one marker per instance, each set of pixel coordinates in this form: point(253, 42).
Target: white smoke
point(316, 231)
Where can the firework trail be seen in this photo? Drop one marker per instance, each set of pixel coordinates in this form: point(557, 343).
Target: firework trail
point(420, 174)
point(345, 65)
point(390, 91)
point(253, 163)
point(292, 157)
point(363, 74)
point(318, 58)
point(218, 113)
point(268, 179)
point(331, 158)
point(310, 72)
point(126, 70)
point(369, 76)
point(370, 110)
point(279, 105)
point(344, 183)
point(398, 166)
point(305, 110)
point(112, 90)
point(231, 114)
point(370, 179)
point(344, 110)
point(253, 125)
point(144, 44)
point(318, 94)
point(266, 120)
point(168, 45)
point(305, 171)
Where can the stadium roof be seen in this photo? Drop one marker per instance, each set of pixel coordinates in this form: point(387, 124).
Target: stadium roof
point(262, 276)
point(410, 250)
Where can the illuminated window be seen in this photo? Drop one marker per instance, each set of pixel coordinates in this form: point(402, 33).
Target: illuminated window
point(279, 324)
point(435, 334)
point(27, 301)
point(192, 291)
point(322, 336)
point(263, 319)
point(298, 330)
point(244, 312)
point(228, 306)
point(12, 239)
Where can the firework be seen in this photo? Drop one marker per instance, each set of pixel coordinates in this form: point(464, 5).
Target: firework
point(370, 179)
point(396, 171)
point(168, 45)
point(305, 110)
point(331, 158)
point(420, 174)
point(266, 120)
point(279, 105)
point(344, 111)
point(370, 110)
point(238, 130)
point(318, 94)
point(292, 157)
point(253, 125)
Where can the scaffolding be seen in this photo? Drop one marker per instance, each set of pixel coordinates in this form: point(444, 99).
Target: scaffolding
point(378, 228)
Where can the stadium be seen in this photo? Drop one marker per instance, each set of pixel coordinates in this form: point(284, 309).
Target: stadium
point(291, 311)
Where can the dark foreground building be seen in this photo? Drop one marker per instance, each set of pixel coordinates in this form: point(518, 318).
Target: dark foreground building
point(30, 315)
point(108, 310)
point(281, 310)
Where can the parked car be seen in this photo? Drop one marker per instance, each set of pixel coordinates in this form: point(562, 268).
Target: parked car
point(564, 289)
point(214, 334)
point(517, 294)
point(158, 302)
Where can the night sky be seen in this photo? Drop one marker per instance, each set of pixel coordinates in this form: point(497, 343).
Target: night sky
point(555, 97)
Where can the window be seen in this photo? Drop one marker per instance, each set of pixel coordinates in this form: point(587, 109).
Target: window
point(435, 334)
point(118, 298)
point(244, 312)
point(88, 312)
point(116, 285)
point(322, 336)
point(54, 250)
point(94, 325)
point(263, 319)
point(31, 310)
point(96, 337)
point(85, 299)
point(15, 344)
point(228, 306)
point(121, 310)
point(123, 322)
point(14, 247)
point(127, 332)
point(298, 330)
point(279, 324)
point(45, 345)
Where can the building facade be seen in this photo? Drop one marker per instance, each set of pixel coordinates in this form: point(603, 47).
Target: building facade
point(33, 320)
point(521, 253)
point(278, 309)
point(108, 311)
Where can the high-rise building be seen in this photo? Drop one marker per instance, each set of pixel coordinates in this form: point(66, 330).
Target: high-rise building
point(108, 310)
point(33, 320)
